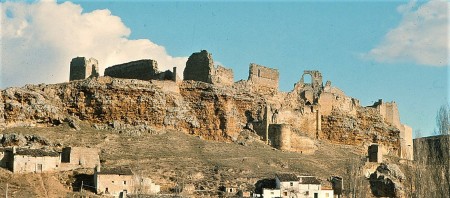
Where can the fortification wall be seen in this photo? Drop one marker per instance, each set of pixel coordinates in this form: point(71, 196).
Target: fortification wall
point(406, 142)
point(82, 68)
point(199, 67)
point(389, 111)
point(141, 69)
point(434, 150)
point(264, 77)
point(223, 76)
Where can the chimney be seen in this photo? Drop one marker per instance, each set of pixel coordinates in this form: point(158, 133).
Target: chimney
point(97, 168)
point(14, 149)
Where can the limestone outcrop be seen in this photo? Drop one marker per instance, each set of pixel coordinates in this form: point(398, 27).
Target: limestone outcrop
point(386, 181)
point(209, 104)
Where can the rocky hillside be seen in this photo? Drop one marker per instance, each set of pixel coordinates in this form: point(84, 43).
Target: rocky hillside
point(210, 111)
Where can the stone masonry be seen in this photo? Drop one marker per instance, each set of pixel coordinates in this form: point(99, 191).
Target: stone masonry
point(82, 68)
point(200, 67)
point(141, 69)
point(263, 77)
point(81, 156)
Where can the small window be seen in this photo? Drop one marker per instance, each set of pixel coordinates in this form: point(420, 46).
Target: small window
point(112, 182)
point(292, 184)
point(327, 194)
point(125, 182)
point(56, 165)
point(285, 193)
point(272, 193)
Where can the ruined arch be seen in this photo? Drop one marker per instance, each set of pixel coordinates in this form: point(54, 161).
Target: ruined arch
point(316, 78)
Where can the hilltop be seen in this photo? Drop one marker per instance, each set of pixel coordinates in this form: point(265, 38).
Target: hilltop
point(207, 126)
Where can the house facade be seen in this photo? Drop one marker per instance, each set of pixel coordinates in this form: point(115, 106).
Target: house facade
point(80, 157)
point(293, 186)
point(121, 181)
point(271, 193)
point(24, 160)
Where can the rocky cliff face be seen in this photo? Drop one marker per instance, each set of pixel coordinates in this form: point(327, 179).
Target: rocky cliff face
point(366, 127)
point(211, 111)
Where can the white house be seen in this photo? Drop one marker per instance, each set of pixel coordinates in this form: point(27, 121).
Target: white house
point(293, 186)
point(271, 193)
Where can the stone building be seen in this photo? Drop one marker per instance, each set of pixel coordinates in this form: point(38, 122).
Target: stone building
point(22, 160)
point(121, 181)
point(82, 68)
point(80, 157)
point(200, 67)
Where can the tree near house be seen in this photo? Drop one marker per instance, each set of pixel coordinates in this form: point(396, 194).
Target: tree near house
point(443, 120)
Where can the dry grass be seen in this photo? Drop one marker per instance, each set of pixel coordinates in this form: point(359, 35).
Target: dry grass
point(172, 158)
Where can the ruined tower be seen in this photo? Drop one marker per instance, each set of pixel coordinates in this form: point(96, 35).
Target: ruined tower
point(82, 68)
point(199, 67)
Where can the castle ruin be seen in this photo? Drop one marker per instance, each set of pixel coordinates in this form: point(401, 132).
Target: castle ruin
point(82, 68)
point(145, 69)
point(200, 67)
point(286, 120)
point(262, 77)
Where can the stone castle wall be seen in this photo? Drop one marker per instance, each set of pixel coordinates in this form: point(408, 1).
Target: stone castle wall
point(390, 114)
point(263, 77)
point(82, 68)
point(199, 67)
point(280, 136)
point(141, 69)
point(223, 76)
point(433, 150)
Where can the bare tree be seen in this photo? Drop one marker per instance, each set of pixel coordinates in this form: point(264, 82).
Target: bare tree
point(443, 120)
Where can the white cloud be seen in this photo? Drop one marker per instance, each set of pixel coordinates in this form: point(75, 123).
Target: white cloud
point(38, 41)
point(422, 36)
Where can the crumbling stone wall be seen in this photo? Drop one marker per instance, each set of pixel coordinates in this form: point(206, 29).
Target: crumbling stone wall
point(280, 136)
point(389, 112)
point(263, 77)
point(146, 69)
point(316, 78)
point(82, 68)
point(199, 67)
point(81, 156)
point(223, 76)
point(433, 150)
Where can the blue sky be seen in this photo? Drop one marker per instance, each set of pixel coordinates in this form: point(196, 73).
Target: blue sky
point(371, 50)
